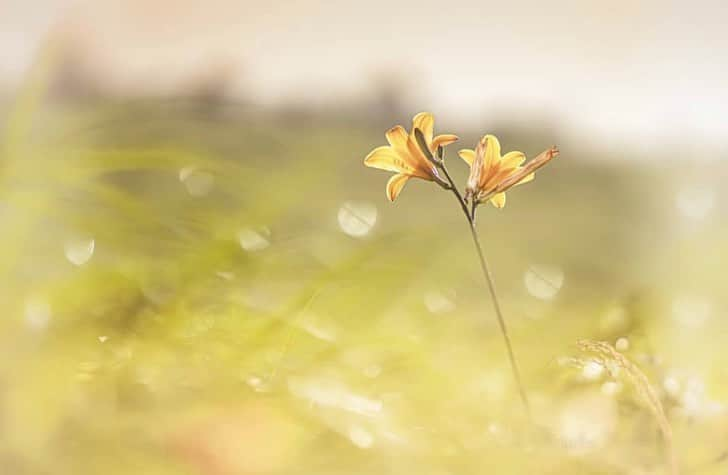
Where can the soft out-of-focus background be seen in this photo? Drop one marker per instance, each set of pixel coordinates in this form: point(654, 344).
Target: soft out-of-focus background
point(200, 277)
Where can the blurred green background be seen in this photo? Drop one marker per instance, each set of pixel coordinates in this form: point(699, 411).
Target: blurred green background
point(194, 283)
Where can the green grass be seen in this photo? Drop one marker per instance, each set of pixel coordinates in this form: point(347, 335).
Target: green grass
point(173, 350)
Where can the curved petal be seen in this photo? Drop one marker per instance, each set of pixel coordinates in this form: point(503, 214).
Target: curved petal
point(513, 159)
point(496, 176)
point(411, 157)
point(468, 155)
point(443, 140)
point(397, 138)
point(426, 123)
point(419, 161)
point(527, 178)
point(492, 151)
point(395, 185)
point(385, 158)
point(498, 200)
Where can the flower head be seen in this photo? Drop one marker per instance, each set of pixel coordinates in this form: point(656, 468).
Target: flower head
point(492, 174)
point(404, 156)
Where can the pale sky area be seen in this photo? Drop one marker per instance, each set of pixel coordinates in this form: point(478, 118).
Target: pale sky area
point(645, 71)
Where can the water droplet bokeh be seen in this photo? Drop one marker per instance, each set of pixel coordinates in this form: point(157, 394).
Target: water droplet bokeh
point(357, 218)
point(543, 282)
point(79, 251)
point(197, 182)
point(253, 240)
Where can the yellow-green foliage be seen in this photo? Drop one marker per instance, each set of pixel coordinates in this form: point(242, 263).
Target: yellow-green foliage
point(175, 350)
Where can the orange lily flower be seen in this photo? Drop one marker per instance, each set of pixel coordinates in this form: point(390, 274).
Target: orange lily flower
point(491, 174)
point(404, 156)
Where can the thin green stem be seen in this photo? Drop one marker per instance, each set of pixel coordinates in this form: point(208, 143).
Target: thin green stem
point(470, 216)
point(499, 314)
point(455, 190)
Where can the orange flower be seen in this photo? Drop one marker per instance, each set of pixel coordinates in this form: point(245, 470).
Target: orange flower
point(492, 174)
point(404, 156)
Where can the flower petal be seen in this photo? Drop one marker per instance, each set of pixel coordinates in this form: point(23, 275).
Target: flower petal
point(498, 200)
point(496, 176)
point(395, 185)
point(411, 159)
point(386, 158)
point(418, 159)
point(527, 178)
point(468, 155)
point(492, 151)
point(397, 138)
point(443, 140)
point(513, 159)
point(426, 123)
point(523, 172)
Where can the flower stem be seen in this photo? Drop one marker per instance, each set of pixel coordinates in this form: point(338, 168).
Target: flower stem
point(499, 314)
point(470, 216)
point(459, 196)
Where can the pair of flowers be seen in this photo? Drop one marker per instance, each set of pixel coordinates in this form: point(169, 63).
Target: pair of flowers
point(418, 154)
